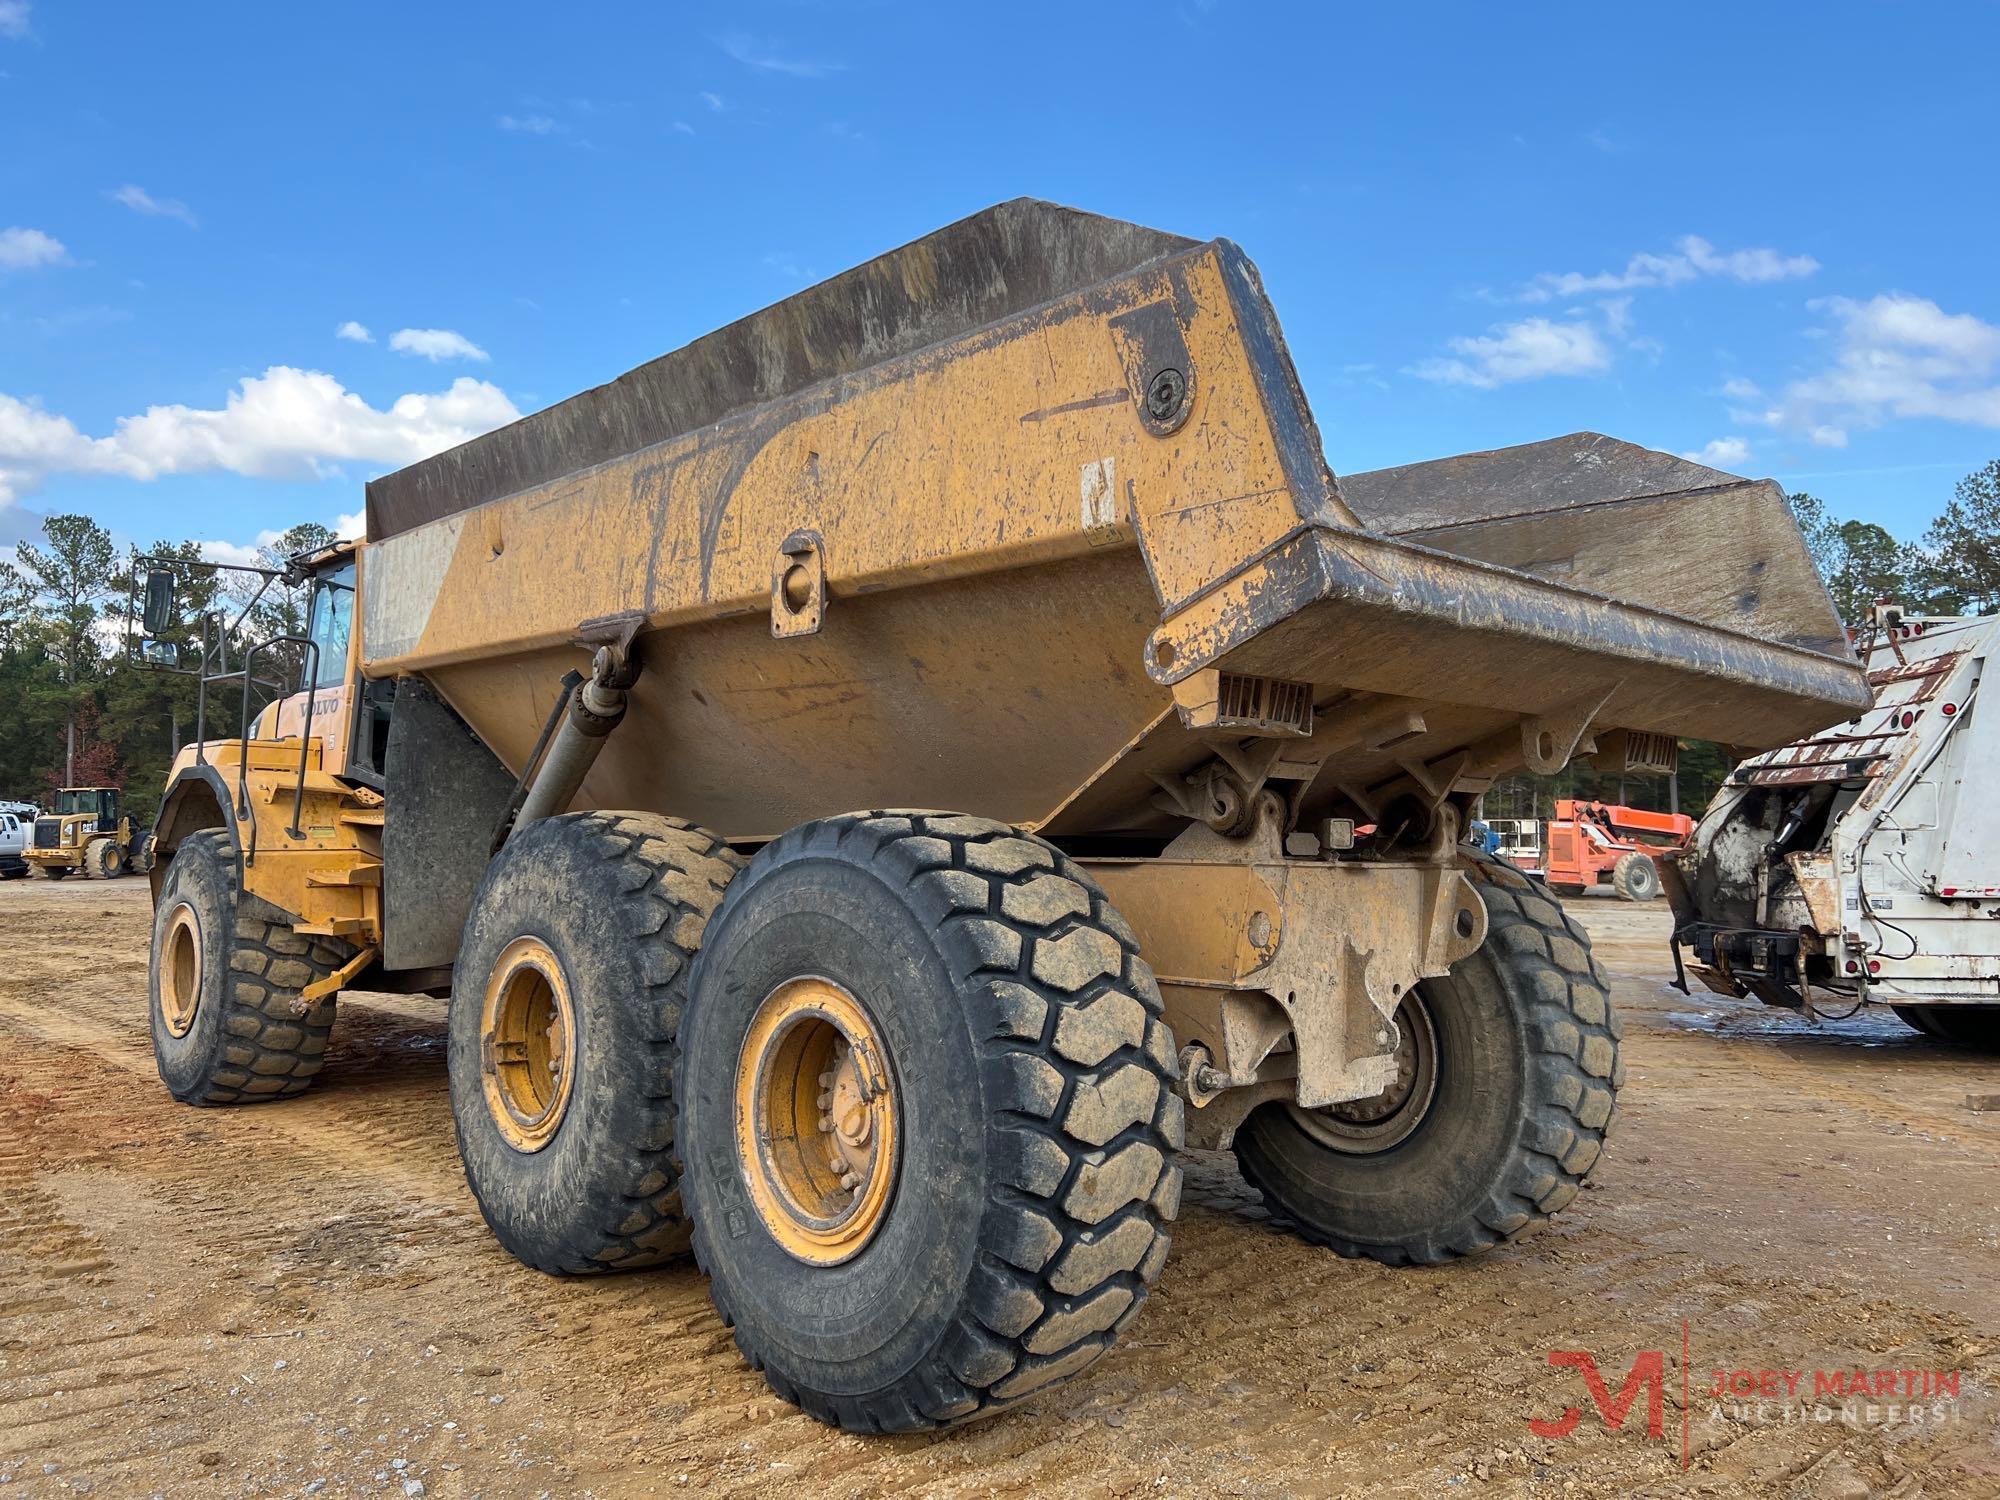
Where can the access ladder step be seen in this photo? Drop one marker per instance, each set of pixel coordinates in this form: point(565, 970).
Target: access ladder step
point(335, 927)
point(361, 817)
point(369, 873)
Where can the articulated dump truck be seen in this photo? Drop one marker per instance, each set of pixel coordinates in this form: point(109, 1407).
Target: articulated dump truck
point(877, 782)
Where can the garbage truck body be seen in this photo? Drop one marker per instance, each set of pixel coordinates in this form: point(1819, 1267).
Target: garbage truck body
point(1862, 864)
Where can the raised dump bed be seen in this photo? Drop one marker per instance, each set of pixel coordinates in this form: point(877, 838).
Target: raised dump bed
point(1013, 563)
point(1027, 523)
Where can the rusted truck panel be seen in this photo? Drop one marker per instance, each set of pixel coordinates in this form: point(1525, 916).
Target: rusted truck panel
point(1017, 525)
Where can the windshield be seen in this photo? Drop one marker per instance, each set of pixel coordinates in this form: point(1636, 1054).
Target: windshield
point(90, 802)
point(332, 618)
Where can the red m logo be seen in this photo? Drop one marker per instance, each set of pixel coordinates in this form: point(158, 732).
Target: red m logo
point(1648, 1370)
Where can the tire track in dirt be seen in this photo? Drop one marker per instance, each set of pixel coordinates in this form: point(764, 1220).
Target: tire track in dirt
point(339, 1224)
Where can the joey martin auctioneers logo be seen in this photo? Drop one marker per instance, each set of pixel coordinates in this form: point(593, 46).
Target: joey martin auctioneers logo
point(1852, 1395)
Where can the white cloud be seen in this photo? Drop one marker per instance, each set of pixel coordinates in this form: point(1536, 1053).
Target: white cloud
point(1692, 257)
point(681, 127)
point(435, 344)
point(1721, 453)
point(140, 201)
point(283, 424)
point(1528, 350)
point(25, 249)
point(530, 124)
point(1736, 388)
point(234, 553)
point(14, 18)
point(1896, 356)
point(764, 57)
point(351, 525)
point(713, 101)
point(354, 333)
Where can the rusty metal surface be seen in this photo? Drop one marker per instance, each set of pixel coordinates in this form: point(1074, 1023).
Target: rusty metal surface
point(1866, 745)
point(1023, 536)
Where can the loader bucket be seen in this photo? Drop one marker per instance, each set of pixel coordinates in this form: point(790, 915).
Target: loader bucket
point(1026, 519)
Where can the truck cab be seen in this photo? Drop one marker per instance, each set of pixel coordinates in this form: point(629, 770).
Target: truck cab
point(329, 687)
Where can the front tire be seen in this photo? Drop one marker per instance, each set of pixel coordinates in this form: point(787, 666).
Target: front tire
point(229, 1025)
point(995, 1044)
point(1516, 1098)
point(566, 1001)
point(105, 860)
point(1636, 877)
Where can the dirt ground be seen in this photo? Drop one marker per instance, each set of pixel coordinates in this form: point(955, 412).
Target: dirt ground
point(302, 1299)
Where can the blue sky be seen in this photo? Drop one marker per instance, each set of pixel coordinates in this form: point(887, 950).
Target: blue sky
point(1763, 233)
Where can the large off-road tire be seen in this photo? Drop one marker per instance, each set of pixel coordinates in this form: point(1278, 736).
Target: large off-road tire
point(140, 860)
point(1967, 1025)
point(1490, 1135)
point(1636, 877)
point(54, 872)
point(1000, 1098)
point(104, 860)
point(229, 1026)
point(566, 999)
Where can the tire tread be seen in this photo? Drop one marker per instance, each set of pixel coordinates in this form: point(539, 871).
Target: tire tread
point(1046, 960)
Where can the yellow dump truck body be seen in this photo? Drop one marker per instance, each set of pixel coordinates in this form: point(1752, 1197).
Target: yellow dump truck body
point(991, 570)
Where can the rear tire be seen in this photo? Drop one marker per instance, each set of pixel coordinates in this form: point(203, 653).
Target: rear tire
point(1028, 1096)
point(1524, 1089)
point(223, 986)
point(577, 949)
point(1965, 1025)
point(1636, 877)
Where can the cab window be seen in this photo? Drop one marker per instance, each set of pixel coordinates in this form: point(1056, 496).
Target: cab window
point(332, 619)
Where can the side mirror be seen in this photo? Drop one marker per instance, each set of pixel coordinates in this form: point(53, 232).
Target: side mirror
point(159, 614)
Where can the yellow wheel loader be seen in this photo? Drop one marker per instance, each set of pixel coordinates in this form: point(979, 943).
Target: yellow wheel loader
point(876, 782)
point(86, 834)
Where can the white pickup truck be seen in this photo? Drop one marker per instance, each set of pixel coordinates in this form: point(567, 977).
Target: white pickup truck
point(15, 828)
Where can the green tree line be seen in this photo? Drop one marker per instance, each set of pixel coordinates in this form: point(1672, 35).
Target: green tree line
point(76, 707)
point(76, 711)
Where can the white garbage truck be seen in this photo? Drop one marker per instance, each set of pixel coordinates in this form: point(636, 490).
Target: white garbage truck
point(1861, 865)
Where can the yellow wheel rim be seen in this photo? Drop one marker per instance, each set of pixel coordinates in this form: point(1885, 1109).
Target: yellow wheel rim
point(180, 970)
point(527, 1044)
point(816, 1121)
